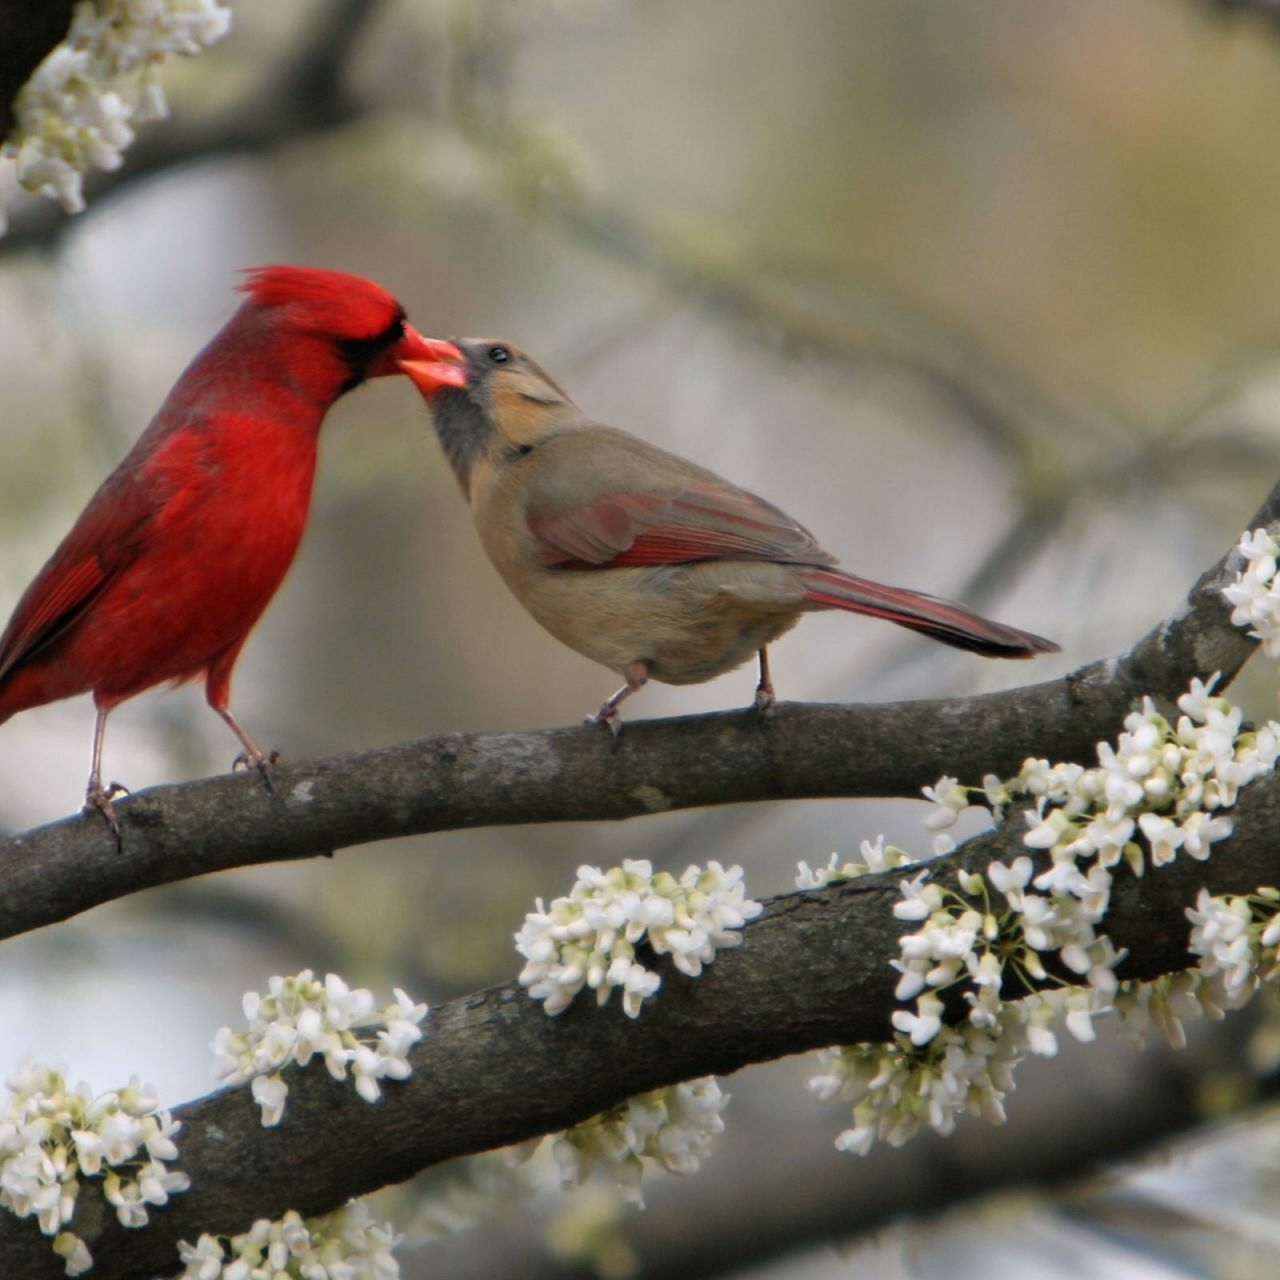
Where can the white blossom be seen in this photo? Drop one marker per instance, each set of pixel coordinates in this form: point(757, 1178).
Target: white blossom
point(590, 938)
point(344, 1245)
point(897, 1087)
point(1224, 937)
point(672, 1126)
point(299, 1019)
point(994, 930)
point(876, 858)
point(52, 1136)
point(75, 113)
point(1255, 594)
point(950, 800)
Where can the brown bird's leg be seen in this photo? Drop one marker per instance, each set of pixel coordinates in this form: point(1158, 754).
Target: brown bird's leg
point(637, 676)
point(217, 692)
point(764, 690)
point(98, 798)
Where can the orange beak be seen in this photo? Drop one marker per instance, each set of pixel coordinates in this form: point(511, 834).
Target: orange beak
point(444, 366)
point(413, 346)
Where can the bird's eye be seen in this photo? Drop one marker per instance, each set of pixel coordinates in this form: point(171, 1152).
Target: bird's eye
point(499, 355)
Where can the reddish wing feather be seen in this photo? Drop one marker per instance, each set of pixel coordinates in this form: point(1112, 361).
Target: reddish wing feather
point(47, 613)
point(705, 522)
point(103, 541)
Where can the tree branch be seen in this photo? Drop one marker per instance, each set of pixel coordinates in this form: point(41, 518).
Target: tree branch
point(493, 1069)
point(1054, 1145)
point(452, 781)
point(29, 29)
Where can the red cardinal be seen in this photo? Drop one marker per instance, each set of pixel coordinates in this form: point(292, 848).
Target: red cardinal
point(180, 550)
point(634, 557)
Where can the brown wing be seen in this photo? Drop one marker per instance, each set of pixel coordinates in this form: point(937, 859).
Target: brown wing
point(708, 520)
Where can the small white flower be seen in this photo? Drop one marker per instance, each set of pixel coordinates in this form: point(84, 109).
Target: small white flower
point(590, 937)
point(922, 1025)
point(300, 1019)
point(950, 800)
point(74, 1252)
point(344, 1245)
point(672, 1126)
point(1009, 880)
point(1163, 835)
point(920, 898)
point(72, 114)
point(52, 1137)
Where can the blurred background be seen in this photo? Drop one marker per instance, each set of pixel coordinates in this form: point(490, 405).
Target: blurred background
point(986, 293)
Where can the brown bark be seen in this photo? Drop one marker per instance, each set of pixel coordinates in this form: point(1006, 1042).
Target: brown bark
point(451, 781)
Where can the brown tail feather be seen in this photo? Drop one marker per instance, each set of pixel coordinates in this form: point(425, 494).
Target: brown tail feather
point(940, 620)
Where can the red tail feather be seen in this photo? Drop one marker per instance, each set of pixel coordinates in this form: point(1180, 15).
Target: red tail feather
point(941, 620)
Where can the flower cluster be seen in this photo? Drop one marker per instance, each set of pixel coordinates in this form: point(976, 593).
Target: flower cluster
point(589, 939)
point(896, 1087)
point(1004, 930)
point(75, 112)
point(875, 858)
point(344, 1245)
point(52, 1136)
point(1255, 594)
point(1168, 781)
point(300, 1018)
point(1236, 938)
point(672, 1126)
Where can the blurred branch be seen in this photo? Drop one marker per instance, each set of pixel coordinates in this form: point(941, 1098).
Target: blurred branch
point(308, 95)
point(451, 781)
point(493, 1069)
point(1011, 413)
point(29, 29)
point(826, 1198)
point(1264, 8)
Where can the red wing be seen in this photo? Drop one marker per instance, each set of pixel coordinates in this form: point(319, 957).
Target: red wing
point(705, 522)
point(102, 542)
point(39, 618)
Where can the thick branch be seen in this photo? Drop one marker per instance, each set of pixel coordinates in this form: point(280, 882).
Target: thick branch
point(451, 781)
point(494, 1069)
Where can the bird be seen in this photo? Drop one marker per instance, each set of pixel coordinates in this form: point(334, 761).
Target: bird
point(181, 548)
point(640, 560)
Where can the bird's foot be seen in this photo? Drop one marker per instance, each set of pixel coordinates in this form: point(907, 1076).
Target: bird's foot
point(262, 761)
point(97, 799)
point(765, 699)
point(608, 714)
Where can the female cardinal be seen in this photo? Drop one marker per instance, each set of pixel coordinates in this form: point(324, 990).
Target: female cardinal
point(634, 557)
point(182, 547)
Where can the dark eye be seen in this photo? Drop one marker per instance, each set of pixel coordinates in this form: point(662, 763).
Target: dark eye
point(499, 355)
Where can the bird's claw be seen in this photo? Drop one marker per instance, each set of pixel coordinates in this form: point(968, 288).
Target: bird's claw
point(97, 799)
point(765, 703)
point(262, 763)
point(606, 715)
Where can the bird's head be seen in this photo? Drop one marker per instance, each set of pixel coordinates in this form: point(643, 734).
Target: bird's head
point(335, 329)
point(491, 400)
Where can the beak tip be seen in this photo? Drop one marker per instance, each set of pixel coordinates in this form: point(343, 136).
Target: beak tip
point(443, 369)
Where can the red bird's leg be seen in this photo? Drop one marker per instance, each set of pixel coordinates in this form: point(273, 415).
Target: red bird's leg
point(637, 676)
point(217, 692)
point(98, 798)
point(253, 756)
point(764, 690)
